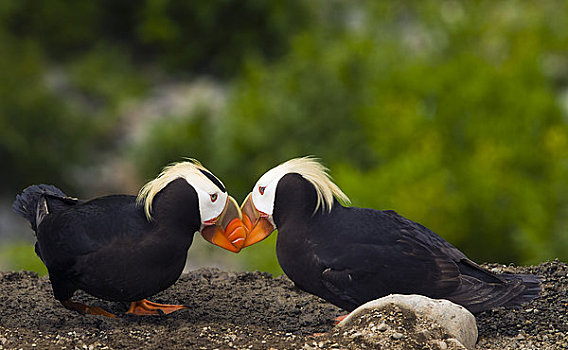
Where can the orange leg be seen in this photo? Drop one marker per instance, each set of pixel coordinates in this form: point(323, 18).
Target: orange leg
point(85, 309)
point(145, 307)
point(340, 318)
point(335, 322)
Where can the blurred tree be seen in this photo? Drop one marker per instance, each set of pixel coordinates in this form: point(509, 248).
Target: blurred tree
point(73, 66)
point(53, 120)
point(39, 138)
point(453, 113)
point(170, 142)
point(444, 111)
point(183, 36)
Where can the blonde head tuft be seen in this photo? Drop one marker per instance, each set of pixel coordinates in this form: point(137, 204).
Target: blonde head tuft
point(188, 170)
point(317, 174)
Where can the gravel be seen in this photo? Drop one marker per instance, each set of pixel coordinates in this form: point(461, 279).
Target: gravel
point(250, 310)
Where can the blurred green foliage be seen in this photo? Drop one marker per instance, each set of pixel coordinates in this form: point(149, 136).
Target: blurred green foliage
point(21, 255)
point(452, 113)
point(72, 64)
point(180, 36)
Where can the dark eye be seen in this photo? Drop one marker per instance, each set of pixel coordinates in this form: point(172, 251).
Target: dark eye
point(213, 197)
point(261, 189)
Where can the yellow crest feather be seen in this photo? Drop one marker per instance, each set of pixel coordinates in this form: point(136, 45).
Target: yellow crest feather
point(317, 174)
point(186, 169)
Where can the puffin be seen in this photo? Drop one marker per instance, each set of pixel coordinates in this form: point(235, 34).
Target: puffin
point(349, 256)
point(125, 248)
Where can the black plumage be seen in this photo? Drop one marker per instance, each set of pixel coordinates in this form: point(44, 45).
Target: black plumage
point(108, 247)
point(349, 255)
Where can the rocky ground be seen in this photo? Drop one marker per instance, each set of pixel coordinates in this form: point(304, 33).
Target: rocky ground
point(250, 310)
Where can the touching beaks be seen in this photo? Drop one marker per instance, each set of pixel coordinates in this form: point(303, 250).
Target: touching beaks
point(257, 225)
point(228, 231)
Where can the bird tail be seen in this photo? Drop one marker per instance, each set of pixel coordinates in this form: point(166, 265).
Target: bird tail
point(26, 203)
point(529, 288)
point(513, 291)
point(482, 289)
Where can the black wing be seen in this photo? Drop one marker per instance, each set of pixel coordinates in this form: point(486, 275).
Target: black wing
point(93, 224)
point(397, 255)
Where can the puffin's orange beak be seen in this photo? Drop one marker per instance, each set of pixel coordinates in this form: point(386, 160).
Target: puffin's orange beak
point(228, 232)
point(257, 224)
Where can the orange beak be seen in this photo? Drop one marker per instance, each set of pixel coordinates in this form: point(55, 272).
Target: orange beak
point(257, 223)
point(228, 232)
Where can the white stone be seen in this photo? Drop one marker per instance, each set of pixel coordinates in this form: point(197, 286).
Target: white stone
point(455, 319)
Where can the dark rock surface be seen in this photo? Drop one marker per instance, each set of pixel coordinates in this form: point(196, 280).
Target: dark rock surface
point(249, 310)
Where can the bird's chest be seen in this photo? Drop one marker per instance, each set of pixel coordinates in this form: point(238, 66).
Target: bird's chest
point(299, 257)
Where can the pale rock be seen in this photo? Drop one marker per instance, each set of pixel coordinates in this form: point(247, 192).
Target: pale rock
point(455, 320)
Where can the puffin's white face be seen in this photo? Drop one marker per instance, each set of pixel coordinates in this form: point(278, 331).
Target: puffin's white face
point(211, 204)
point(264, 192)
point(220, 214)
point(258, 207)
point(211, 194)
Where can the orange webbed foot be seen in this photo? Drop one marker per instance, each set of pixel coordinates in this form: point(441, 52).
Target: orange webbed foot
point(85, 309)
point(145, 307)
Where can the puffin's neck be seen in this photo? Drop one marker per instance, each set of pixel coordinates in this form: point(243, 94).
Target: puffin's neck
point(295, 201)
point(176, 207)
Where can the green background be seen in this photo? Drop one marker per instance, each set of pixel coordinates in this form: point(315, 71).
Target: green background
point(452, 113)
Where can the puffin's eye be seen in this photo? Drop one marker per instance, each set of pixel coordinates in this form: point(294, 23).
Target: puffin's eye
point(213, 197)
point(261, 189)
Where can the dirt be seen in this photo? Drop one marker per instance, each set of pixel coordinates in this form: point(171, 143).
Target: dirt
point(250, 310)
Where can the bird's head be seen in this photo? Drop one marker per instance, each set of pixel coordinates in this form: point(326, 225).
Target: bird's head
point(219, 213)
point(258, 207)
